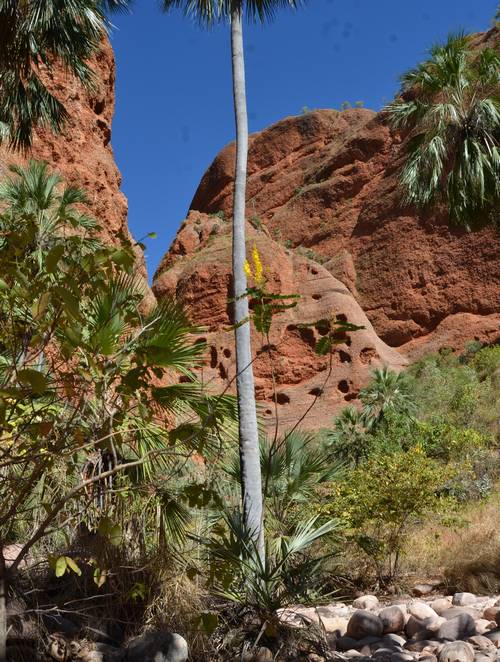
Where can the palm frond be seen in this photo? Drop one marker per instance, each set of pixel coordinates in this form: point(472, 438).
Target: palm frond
point(449, 109)
point(208, 12)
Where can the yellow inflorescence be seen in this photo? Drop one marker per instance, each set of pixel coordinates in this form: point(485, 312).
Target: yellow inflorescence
point(258, 270)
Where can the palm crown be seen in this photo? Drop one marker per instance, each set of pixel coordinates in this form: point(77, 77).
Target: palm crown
point(33, 36)
point(450, 105)
point(211, 11)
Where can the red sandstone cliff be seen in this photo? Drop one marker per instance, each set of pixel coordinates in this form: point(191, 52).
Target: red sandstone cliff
point(323, 186)
point(83, 153)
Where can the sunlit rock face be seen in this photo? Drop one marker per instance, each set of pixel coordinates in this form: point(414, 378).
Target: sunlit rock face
point(324, 207)
point(82, 154)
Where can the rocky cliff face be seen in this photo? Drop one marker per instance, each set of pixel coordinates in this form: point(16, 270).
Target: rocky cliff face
point(83, 153)
point(325, 212)
point(198, 272)
point(326, 182)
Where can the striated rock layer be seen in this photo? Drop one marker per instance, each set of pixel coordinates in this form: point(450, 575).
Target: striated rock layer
point(325, 211)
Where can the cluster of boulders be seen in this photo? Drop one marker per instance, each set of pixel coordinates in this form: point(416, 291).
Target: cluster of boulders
point(150, 647)
point(458, 628)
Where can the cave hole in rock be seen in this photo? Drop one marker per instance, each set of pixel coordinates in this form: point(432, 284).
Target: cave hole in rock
point(317, 392)
point(317, 297)
point(213, 357)
point(222, 371)
point(343, 386)
point(99, 106)
point(307, 335)
point(351, 396)
point(282, 398)
point(200, 341)
point(314, 271)
point(227, 353)
point(344, 357)
point(341, 317)
point(268, 412)
point(323, 327)
point(184, 379)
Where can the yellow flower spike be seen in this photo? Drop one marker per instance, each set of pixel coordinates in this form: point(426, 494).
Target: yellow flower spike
point(259, 271)
point(247, 269)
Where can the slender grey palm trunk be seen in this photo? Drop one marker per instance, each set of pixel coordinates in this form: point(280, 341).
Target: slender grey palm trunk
point(251, 481)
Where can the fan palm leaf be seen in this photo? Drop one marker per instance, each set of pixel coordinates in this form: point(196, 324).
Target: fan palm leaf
point(450, 109)
point(33, 37)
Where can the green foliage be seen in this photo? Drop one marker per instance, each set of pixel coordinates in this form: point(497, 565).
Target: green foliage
point(486, 363)
point(449, 389)
point(451, 109)
point(380, 501)
point(424, 441)
point(293, 467)
point(208, 12)
point(35, 34)
point(387, 391)
point(286, 574)
point(349, 440)
point(85, 403)
point(333, 331)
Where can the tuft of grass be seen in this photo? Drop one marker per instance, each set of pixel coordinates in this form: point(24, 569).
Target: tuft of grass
point(463, 549)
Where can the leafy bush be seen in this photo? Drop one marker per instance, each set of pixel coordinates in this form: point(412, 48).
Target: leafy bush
point(85, 412)
point(381, 500)
point(486, 362)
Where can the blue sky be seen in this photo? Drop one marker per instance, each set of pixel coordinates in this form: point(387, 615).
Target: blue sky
point(174, 104)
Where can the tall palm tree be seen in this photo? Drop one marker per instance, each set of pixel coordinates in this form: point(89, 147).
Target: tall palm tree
point(209, 12)
point(35, 36)
point(450, 106)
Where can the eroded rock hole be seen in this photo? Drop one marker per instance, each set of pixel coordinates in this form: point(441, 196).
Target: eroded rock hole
point(227, 353)
point(213, 357)
point(99, 106)
point(316, 297)
point(343, 386)
point(341, 318)
point(344, 357)
point(282, 398)
point(316, 392)
point(222, 371)
point(307, 336)
point(367, 354)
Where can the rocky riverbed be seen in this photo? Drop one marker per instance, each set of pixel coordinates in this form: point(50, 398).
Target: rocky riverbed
point(452, 628)
point(449, 628)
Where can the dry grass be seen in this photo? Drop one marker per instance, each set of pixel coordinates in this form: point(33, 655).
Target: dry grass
point(464, 549)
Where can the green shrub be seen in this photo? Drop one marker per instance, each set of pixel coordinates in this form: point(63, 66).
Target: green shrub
point(380, 501)
point(486, 362)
